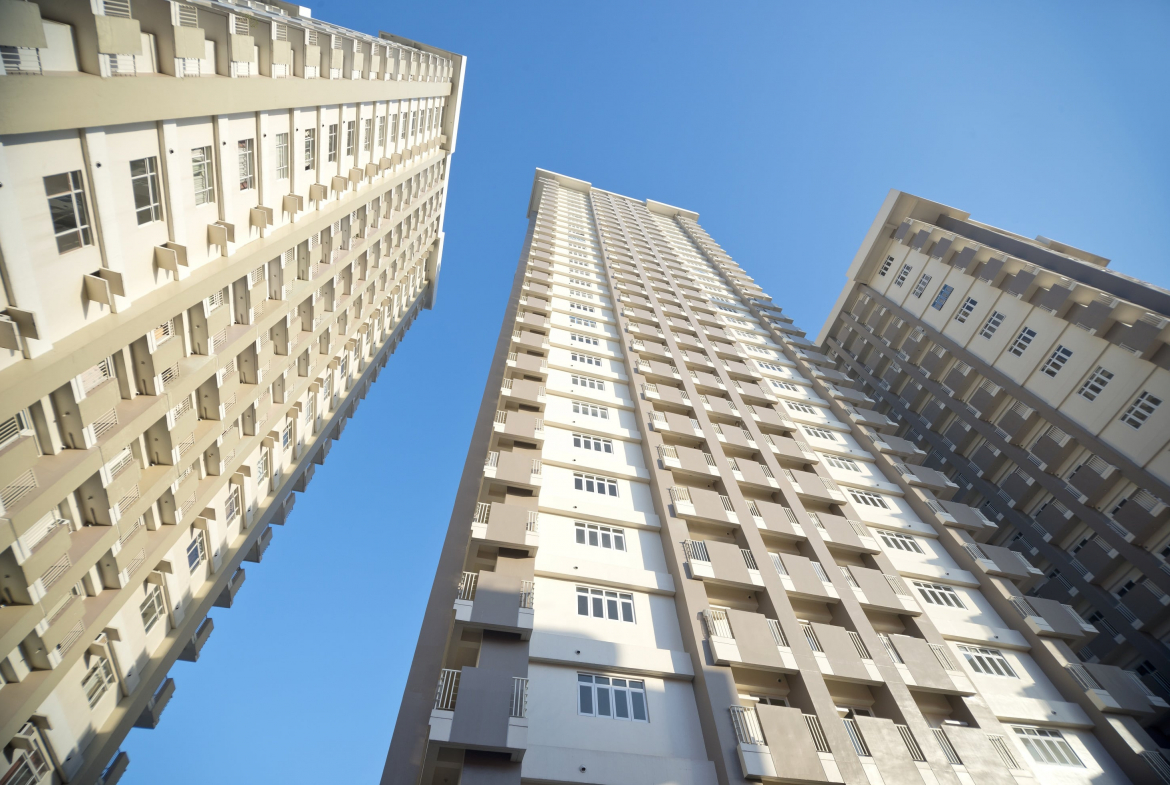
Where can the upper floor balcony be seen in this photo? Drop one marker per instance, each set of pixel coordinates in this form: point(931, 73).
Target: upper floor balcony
point(507, 525)
point(481, 709)
point(496, 601)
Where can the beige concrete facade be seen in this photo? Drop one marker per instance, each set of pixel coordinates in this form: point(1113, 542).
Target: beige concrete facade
point(679, 527)
point(1033, 376)
point(217, 222)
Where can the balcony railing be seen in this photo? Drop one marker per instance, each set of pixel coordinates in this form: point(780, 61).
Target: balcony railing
point(859, 645)
point(533, 521)
point(696, 550)
point(467, 585)
point(855, 736)
point(717, 623)
point(948, 749)
point(448, 691)
point(483, 511)
point(777, 633)
point(911, 743)
point(817, 732)
point(810, 636)
point(747, 726)
point(779, 565)
point(518, 706)
point(527, 594)
point(1083, 677)
point(493, 459)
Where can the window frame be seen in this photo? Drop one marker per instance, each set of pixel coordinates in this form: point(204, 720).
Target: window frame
point(204, 169)
point(994, 320)
point(73, 198)
point(153, 196)
point(1095, 383)
point(1022, 342)
point(1141, 410)
point(945, 596)
point(1056, 361)
point(900, 541)
point(588, 684)
point(586, 441)
point(595, 602)
point(965, 310)
point(154, 603)
point(310, 149)
point(596, 535)
point(246, 156)
point(596, 484)
point(283, 159)
point(331, 148)
point(1048, 752)
point(987, 661)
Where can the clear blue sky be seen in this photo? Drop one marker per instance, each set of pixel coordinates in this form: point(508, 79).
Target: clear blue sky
point(783, 125)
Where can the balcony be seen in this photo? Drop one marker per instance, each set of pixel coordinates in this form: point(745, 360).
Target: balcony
point(1017, 421)
point(496, 601)
point(924, 477)
point(676, 423)
point(525, 426)
point(1093, 479)
point(1018, 488)
point(517, 467)
point(987, 460)
point(843, 532)
point(528, 363)
point(801, 749)
point(868, 418)
point(722, 562)
point(1053, 447)
point(743, 637)
point(792, 449)
point(1004, 562)
point(523, 391)
point(506, 525)
point(896, 445)
point(1117, 691)
point(666, 394)
point(986, 399)
point(959, 436)
point(525, 340)
point(804, 577)
point(481, 709)
point(882, 592)
point(841, 653)
point(929, 666)
point(812, 487)
point(1052, 619)
point(776, 518)
point(699, 504)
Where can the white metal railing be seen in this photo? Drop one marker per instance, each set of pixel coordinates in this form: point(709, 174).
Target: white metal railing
point(1022, 607)
point(810, 635)
point(976, 552)
point(859, 644)
point(944, 659)
point(749, 559)
point(501, 417)
point(527, 594)
point(696, 550)
point(855, 736)
point(888, 644)
point(859, 529)
point(666, 451)
point(448, 691)
point(679, 493)
point(726, 503)
point(533, 521)
point(537, 467)
point(911, 743)
point(518, 706)
point(747, 726)
point(467, 585)
point(817, 732)
point(1082, 676)
point(947, 748)
point(820, 571)
point(779, 565)
point(483, 511)
point(493, 460)
point(717, 623)
point(897, 585)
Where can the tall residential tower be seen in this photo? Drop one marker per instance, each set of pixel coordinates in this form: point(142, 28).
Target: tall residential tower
point(217, 221)
point(685, 549)
point(1034, 377)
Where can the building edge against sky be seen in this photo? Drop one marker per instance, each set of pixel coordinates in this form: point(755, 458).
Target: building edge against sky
point(219, 220)
point(1034, 376)
point(687, 548)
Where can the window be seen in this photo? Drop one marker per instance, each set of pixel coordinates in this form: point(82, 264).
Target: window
point(1140, 410)
point(590, 409)
point(612, 698)
point(332, 143)
point(231, 505)
point(152, 608)
point(310, 149)
point(97, 680)
point(582, 322)
point(1095, 384)
point(586, 358)
point(819, 433)
point(993, 323)
point(368, 134)
point(965, 310)
point(1054, 363)
point(581, 307)
point(939, 594)
point(803, 408)
point(1022, 342)
point(886, 266)
point(599, 536)
point(1047, 746)
point(593, 484)
point(196, 549)
point(286, 434)
point(920, 287)
point(579, 293)
point(899, 541)
point(202, 175)
point(848, 464)
point(770, 367)
point(588, 382)
point(350, 136)
point(144, 184)
point(586, 442)
point(403, 124)
point(282, 156)
point(868, 498)
point(585, 339)
point(605, 604)
point(989, 662)
point(901, 279)
point(261, 468)
point(247, 154)
point(68, 210)
point(943, 294)
point(789, 386)
point(414, 122)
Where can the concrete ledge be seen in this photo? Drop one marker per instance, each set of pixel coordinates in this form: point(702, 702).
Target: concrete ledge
point(570, 569)
point(604, 655)
point(568, 764)
point(1016, 708)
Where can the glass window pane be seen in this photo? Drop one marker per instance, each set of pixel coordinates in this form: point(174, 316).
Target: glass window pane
point(612, 606)
point(61, 211)
point(598, 609)
point(581, 535)
point(585, 699)
point(56, 184)
point(593, 537)
point(582, 605)
point(627, 611)
point(638, 699)
point(603, 708)
point(619, 541)
point(621, 708)
point(605, 541)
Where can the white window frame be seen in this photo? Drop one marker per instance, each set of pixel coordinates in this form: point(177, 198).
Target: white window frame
point(590, 410)
point(939, 594)
point(585, 441)
point(153, 608)
point(988, 662)
point(606, 604)
point(818, 433)
point(992, 324)
point(196, 549)
point(246, 152)
point(282, 157)
point(588, 382)
point(840, 462)
point(868, 499)
point(1047, 745)
point(596, 484)
point(1022, 342)
point(98, 679)
point(71, 202)
point(1061, 355)
point(1095, 384)
point(594, 689)
point(900, 541)
point(595, 535)
point(920, 287)
point(903, 275)
point(1142, 408)
point(150, 209)
point(965, 310)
